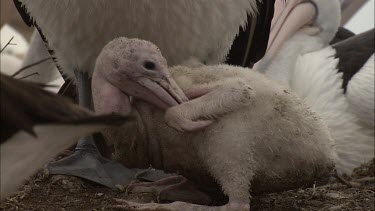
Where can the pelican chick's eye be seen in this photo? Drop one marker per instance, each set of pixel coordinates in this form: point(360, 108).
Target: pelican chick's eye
point(149, 65)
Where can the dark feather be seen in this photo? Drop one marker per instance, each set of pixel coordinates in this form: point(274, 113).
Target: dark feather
point(251, 43)
point(23, 12)
point(25, 104)
point(341, 35)
point(353, 54)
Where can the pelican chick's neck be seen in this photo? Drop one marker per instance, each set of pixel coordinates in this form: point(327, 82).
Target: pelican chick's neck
point(131, 141)
point(107, 98)
point(132, 137)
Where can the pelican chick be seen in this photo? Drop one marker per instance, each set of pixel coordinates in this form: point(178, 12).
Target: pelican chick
point(254, 135)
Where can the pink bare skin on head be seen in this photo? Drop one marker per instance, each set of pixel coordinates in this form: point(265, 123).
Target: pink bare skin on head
point(132, 67)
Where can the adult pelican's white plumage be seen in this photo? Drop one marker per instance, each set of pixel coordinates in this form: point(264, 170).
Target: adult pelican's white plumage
point(77, 30)
point(300, 59)
point(360, 94)
point(205, 29)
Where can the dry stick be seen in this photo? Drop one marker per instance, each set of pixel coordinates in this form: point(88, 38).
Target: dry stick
point(36, 73)
point(9, 43)
point(26, 67)
point(50, 86)
point(31, 65)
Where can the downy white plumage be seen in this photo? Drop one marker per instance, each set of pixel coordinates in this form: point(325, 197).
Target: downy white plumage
point(258, 135)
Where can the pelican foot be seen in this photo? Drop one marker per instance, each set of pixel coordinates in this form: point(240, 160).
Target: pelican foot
point(87, 163)
point(174, 188)
point(177, 206)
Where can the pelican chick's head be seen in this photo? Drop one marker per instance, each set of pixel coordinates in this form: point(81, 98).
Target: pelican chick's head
point(133, 67)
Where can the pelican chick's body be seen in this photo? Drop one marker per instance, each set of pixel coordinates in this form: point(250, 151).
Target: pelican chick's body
point(254, 135)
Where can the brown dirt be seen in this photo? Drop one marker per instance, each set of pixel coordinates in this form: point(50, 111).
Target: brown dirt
point(62, 193)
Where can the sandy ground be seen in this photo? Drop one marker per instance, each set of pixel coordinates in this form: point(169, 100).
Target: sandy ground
point(44, 192)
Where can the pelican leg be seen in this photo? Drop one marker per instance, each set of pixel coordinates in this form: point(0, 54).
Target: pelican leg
point(87, 162)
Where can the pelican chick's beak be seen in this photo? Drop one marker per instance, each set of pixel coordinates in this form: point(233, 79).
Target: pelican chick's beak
point(161, 90)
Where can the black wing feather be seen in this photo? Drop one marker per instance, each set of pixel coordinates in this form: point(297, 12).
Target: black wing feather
point(23, 12)
point(251, 43)
point(25, 104)
point(354, 53)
